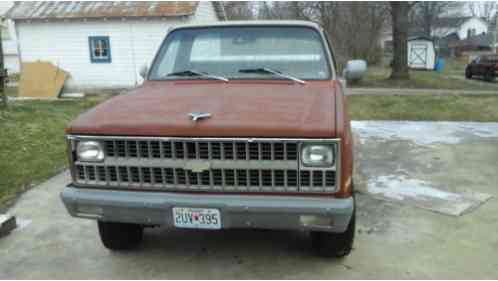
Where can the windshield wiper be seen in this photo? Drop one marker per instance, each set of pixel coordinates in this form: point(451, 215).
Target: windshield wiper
point(190, 72)
point(266, 70)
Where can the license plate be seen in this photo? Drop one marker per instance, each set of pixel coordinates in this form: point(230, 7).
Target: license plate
point(196, 218)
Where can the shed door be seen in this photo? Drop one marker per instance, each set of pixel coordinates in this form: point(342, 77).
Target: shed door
point(418, 55)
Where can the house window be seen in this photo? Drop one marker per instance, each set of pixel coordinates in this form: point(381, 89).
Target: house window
point(100, 49)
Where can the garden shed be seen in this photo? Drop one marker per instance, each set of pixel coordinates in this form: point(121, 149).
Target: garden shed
point(421, 53)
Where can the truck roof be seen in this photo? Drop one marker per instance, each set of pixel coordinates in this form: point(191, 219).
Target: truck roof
point(252, 23)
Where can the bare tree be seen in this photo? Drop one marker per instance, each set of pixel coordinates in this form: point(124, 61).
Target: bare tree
point(298, 10)
point(2, 70)
point(351, 37)
point(242, 10)
point(424, 15)
point(485, 10)
point(400, 24)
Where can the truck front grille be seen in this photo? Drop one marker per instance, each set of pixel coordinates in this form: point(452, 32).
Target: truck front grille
point(235, 165)
point(207, 150)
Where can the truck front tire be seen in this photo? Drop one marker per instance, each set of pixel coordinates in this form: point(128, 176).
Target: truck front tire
point(120, 236)
point(468, 74)
point(489, 76)
point(329, 244)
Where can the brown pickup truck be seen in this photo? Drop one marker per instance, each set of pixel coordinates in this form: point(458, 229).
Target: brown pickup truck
point(237, 125)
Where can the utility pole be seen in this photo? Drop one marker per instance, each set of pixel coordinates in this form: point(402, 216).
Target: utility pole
point(3, 72)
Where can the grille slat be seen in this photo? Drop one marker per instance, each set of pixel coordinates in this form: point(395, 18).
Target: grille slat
point(253, 151)
point(240, 150)
point(155, 149)
point(129, 159)
point(167, 150)
point(113, 174)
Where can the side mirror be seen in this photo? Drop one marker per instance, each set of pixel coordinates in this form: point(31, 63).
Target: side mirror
point(143, 71)
point(355, 69)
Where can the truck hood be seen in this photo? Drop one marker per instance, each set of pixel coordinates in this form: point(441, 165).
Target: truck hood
point(238, 109)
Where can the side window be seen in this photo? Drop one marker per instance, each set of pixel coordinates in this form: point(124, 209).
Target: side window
point(100, 49)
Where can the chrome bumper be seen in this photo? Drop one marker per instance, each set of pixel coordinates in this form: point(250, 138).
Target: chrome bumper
point(237, 211)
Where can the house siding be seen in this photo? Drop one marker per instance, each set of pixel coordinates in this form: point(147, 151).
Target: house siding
point(479, 25)
point(65, 44)
point(133, 43)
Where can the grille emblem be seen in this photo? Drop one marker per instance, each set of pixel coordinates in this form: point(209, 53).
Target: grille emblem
point(199, 115)
point(197, 166)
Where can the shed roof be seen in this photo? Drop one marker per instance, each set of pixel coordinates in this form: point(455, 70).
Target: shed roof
point(104, 9)
point(420, 38)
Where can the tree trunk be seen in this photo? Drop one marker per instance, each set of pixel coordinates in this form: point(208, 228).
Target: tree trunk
point(427, 16)
point(2, 88)
point(399, 12)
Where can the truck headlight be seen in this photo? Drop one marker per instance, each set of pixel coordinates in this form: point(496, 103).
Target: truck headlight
point(90, 151)
point(317, 155)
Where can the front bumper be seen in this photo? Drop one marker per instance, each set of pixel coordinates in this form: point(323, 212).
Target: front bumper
point(237, 211)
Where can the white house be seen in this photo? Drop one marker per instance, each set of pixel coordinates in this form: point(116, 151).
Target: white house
point(9, 40)
point(463, 26)
point(101, 44)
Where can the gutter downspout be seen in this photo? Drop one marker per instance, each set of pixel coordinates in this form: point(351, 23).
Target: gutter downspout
point(18, 45)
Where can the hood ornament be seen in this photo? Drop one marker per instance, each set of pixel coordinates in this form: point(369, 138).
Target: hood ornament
point(199, 115)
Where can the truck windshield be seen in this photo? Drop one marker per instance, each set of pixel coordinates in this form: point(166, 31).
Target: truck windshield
point(228, 51)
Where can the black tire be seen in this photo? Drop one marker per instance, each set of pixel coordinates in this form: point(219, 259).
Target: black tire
point(489, 76)
point(468, 74)
point(120, 236)
point(338, 245)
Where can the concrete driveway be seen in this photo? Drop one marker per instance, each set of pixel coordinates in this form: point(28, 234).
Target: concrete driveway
point(394, 240)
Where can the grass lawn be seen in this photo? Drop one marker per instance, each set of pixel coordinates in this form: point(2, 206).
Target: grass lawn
point(482, 108)
point(32, 145)
point(11, 91)
point(451, 78)
point(454, 67)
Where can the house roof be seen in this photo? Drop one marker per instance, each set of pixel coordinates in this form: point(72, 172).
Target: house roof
point(420, 37)
point(102, 9)
point(452, 22)
point(481, 40)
